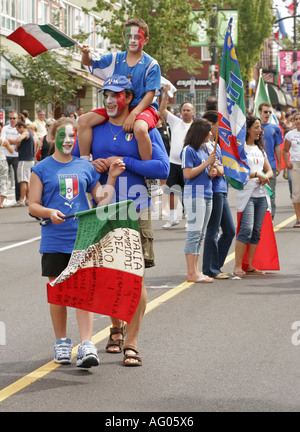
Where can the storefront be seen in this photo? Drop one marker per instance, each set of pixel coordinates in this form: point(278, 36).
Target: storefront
point(11, 87)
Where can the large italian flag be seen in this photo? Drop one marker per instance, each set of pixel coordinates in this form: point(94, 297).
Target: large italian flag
point(36, 39)
point(106, 268)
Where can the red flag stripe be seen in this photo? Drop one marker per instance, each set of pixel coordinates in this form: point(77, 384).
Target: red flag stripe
point(29, 43)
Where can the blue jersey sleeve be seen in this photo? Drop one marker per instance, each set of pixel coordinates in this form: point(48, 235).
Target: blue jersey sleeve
point(158, 167)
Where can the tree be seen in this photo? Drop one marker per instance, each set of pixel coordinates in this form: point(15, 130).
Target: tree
point(47, 78)
point(169, 23)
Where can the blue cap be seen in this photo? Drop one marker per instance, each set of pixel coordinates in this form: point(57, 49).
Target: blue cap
point(117, 83)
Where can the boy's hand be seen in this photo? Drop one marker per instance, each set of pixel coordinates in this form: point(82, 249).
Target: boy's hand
point(116, 168)
point(84, 49)
point(57, 217)
point(129, 122)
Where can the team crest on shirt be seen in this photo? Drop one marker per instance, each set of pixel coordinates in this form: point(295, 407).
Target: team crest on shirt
point(68, 186)
point(129, 136)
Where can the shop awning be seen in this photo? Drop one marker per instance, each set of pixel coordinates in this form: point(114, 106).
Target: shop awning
point(8, 70)
point(92, 79)
point(276, 94)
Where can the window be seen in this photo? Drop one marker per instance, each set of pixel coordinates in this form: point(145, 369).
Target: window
point(43, 13)
point(8, 14)
point(198, 102)
point(25, 11)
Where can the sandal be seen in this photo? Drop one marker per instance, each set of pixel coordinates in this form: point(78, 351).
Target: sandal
point(297, 225)
point(132, 356)
point(255, 271)
point(119, 343)
point(240, 274)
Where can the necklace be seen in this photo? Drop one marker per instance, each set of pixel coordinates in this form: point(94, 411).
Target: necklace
point(115, 136)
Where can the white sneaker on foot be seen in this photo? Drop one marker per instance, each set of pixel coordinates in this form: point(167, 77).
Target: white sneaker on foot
point(170, 224)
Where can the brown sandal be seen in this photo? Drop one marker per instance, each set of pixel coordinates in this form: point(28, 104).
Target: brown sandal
point(132, 356)
point(116, 343)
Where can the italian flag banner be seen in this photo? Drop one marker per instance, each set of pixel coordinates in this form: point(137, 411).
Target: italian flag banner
point(36, 39)
point(232, 116)
point(106, 268)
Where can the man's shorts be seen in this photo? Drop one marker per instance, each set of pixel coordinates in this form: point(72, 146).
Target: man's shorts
point(175, 181)
point(54, 263)
point(24, 171)
point(149, 115)
point(147, 236)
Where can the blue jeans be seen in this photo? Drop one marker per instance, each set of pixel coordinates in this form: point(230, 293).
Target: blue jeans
point(216, 249)
point(252, 220)
point(198, 212)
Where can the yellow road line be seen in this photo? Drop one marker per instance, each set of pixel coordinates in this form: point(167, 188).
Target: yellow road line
point(103, 334)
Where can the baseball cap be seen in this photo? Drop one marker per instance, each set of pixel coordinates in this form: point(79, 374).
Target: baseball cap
point(117, 83)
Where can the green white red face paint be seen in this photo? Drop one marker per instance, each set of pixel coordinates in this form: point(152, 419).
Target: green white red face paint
point(66, 139)
point(114, 102)
point(134, 39)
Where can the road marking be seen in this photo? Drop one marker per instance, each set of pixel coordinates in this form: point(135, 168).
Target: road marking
point(103, 334)
point(20, 244)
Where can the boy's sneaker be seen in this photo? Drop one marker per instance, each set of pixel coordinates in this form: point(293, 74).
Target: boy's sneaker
point(153, 187)
point(170, 224)
point(87, 355)
point(63, 351)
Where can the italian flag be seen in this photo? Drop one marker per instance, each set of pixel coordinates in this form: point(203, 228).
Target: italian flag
point(36, 39)
point(232, 118)
point(106, 268)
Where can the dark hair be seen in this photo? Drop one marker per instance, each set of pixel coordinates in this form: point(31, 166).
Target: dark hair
point(197, 133)
point(250, 120)
point(137, 22)
point(211, 116)
point(20, 124)
point(211, 103)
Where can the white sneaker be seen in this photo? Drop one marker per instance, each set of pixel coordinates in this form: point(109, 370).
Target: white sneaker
point(170, 224)
point(87, 355)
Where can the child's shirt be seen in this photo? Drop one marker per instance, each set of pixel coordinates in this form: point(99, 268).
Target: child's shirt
point(145, 75)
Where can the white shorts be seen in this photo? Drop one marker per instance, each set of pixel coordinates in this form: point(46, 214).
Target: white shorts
point(24, 171)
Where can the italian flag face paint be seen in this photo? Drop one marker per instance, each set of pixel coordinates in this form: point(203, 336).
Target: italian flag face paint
point(114, 102)
point(66, 139)
point(134, 39)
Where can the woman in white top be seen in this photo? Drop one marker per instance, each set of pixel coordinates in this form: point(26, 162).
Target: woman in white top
point(3, 169)
point(292, 148)
point(253, 201)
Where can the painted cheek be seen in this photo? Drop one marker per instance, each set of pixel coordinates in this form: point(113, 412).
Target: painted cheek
point(60, 137)
point(120, 101)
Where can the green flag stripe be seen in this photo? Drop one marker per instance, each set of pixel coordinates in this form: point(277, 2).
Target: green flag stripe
point(63, 40)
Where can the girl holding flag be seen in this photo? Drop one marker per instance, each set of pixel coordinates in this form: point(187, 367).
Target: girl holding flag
point(197, 193)
point(253, 201)
point(59, 184)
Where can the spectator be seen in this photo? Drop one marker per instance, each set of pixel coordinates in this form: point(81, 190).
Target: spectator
point(10, 133)
point(26, 115)
point(40, 124)
point(179, 128)
point(4, 144)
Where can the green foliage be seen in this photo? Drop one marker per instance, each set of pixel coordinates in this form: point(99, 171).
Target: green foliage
point(169, 23)
point(47, 78)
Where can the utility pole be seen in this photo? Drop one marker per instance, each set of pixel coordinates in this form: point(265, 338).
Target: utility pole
point(214, 47)
point(295, 56)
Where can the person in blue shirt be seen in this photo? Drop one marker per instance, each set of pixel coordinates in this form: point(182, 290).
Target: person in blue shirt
point(144, 73)
point(110, 141)
point(198, 193)
point(216, 247)
point(272, 138)
point(58, 187)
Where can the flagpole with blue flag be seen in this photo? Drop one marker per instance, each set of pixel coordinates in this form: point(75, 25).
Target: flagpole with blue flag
point(232, 116)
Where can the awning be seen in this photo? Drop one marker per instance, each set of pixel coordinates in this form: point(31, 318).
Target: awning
point(95, 81)
point(289, 99)
point(8, 70)
point(276, 94)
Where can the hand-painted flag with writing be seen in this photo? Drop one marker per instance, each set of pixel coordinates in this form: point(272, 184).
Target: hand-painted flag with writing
point(232, 119)
point(106, 268)
point(36, 39)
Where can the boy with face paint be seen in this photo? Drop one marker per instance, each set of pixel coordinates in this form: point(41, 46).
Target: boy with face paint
point(58, 187)
point(143, 71)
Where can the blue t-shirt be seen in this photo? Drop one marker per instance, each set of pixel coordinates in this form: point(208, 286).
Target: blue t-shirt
point(201, 185)
point(272, 137)
point(219, 184)
point(131, 183)
point(145, 75)
point(64, 189)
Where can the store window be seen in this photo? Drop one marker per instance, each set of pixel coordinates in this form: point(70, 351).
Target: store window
point(8, 14)
point(25, 11)
point(198, 101)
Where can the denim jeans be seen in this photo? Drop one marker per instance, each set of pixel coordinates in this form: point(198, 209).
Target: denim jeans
point(216, 248)
point(198, 212)
point(252, 220)
point(13, 161)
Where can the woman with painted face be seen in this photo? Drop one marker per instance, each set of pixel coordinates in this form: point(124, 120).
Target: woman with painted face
point(59, 185)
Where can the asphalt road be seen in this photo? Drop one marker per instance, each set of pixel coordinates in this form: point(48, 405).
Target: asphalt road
point(228, 346)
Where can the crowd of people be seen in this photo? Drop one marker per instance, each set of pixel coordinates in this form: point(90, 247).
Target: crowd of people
point(134, 138)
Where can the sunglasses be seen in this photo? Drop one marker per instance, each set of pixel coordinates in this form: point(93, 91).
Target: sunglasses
point(13, 118)
point(267, 112)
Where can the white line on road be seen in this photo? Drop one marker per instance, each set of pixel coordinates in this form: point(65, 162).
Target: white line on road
point(19, 244)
